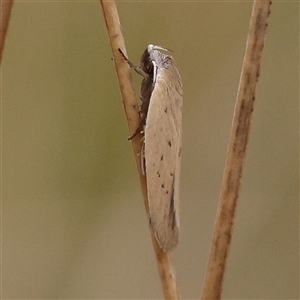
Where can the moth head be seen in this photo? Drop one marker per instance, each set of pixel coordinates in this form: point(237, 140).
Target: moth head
point(152, 59)
point(151, 48)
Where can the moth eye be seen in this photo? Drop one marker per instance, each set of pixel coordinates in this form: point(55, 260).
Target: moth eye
point(149, 67)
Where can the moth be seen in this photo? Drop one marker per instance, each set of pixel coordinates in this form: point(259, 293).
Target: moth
point(160, 120)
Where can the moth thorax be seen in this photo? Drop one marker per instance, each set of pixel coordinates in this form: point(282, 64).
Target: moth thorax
point(151, 58)
point(162, 61)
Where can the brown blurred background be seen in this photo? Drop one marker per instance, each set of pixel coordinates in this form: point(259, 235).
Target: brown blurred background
point(73, 220)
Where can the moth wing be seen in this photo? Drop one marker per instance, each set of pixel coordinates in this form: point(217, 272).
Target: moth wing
point(162, 156)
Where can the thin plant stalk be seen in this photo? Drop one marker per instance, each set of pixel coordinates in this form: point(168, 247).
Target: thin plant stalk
point(236, 153)
point(166, 270)
point(5, 10)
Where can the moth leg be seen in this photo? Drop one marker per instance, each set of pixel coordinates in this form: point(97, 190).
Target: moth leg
point(138, 69)
point(140, 128)
point(137, 131)
point(142, 154)
point(143, 159)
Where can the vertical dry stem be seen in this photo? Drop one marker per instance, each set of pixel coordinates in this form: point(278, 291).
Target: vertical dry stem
point(5, 10)
point(166, 271)
point(236, 150)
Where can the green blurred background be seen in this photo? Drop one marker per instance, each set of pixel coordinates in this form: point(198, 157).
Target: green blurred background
point(73, 220)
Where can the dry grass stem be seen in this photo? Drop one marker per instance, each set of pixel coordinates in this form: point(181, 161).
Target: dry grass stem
point(5, 10)
point(166, 271)
point(236, 150)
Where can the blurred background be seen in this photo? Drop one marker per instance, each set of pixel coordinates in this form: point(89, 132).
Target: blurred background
point(73, 219)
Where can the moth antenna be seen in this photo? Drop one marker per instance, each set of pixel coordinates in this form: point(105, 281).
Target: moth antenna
point(136, 68)
point(154, 71)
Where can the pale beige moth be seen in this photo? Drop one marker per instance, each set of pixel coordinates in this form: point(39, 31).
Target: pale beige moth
point(161, 122)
